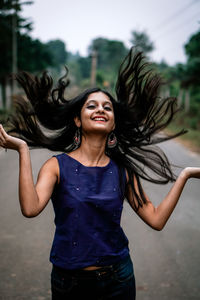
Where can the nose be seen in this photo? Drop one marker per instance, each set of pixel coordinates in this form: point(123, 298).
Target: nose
point(100, 109)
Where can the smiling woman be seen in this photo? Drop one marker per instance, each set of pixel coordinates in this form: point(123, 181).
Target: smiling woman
point(97, 115)
point(107, 146)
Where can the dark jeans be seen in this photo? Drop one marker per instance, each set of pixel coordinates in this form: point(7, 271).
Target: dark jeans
point(111, 282)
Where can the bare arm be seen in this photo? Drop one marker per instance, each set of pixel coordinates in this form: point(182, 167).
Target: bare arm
point(157, 217)
point(33, 198)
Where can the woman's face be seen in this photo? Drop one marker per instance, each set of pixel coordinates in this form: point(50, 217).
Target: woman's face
point(97, 114)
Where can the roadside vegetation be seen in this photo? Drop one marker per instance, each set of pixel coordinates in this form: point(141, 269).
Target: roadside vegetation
point(20, 52)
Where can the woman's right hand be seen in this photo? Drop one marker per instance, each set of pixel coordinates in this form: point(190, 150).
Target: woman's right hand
point(9, 142)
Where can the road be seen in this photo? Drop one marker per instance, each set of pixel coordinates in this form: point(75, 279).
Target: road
point(166, 263)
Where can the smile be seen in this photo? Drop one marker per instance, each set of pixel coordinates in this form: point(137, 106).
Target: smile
point(99, 119)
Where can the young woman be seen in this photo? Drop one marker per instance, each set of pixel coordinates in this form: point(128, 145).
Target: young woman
point(107, 146)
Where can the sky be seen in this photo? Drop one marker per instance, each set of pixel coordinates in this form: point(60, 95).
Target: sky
point(168, 23)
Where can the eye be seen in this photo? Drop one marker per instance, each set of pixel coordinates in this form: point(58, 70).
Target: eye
point(91, 106)
point(108, 108)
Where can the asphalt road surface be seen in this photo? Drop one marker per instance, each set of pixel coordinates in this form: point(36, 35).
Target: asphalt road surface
point(166, 263)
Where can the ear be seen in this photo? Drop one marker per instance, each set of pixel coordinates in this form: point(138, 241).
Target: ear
point(113, 128)
point(77, 121)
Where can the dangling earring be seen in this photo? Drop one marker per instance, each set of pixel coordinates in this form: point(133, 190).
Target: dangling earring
point(112, 140)
point(77, 137)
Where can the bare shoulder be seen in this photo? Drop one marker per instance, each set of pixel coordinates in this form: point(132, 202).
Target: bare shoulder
point(50, 168)
point(47, 178)
point(51, 164)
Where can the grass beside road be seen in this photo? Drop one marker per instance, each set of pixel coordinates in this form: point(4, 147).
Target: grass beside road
point(191, 139)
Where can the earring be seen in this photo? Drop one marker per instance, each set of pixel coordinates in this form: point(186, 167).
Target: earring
point(77, 138)
point(112, 140)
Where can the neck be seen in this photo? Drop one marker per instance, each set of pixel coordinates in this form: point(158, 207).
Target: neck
point(92, 151)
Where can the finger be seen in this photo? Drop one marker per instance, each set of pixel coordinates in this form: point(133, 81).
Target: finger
point(2, 136)
point(3, 132)
point(2, 140)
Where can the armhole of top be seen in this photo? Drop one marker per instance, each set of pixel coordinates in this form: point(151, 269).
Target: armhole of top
point(59, 167)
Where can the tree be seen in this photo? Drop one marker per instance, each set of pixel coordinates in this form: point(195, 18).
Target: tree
point(79, 68)
point(33, 55)
point(183, 81)
point(142, 41)
point(58, 52)
point(85, 66)
point(192, 49)
point(30, 55)
point(109, 56)
point(10, 26)
point(192, 76)
point(109, 52)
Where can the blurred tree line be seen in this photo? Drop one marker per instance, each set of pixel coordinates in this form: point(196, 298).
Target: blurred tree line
point(99, 67)
point(21, 52)
point(183, 82)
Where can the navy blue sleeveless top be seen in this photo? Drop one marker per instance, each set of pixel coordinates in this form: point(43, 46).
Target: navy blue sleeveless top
point(88, 204)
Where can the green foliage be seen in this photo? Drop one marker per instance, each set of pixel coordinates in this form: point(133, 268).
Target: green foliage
point(9, 12)
point(79, 68)
point(100, 78)
point(109, 57)
point(7, 5)
point(4, 114)
point(5, 42)
point(109, 53)
point(33, 55)
point(58, 53)
point(192, 48)
point(85, 66)
point(141, 40)
point(191, 138)
point(183, 78)
point(193, 123)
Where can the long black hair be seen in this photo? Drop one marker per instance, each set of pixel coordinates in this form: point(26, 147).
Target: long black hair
point(45, 118)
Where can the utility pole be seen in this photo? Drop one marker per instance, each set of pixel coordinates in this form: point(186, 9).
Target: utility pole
point(180, 97)
point(14, 45)
point(93, 68)
point(187, 100)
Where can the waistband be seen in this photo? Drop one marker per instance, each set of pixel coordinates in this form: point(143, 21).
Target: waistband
point(103, 271)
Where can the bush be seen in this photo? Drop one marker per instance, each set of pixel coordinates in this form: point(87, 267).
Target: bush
point(3, 116)
point(193, 123)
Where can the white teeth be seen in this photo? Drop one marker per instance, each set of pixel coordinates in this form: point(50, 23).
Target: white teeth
point(99, 119)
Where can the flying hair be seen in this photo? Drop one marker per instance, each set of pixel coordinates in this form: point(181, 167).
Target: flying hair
point(45, 119)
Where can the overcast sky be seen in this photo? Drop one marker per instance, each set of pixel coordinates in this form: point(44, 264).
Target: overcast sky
point(169, 23)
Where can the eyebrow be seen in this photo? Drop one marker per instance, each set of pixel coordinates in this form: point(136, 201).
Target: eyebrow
point(105, 102)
